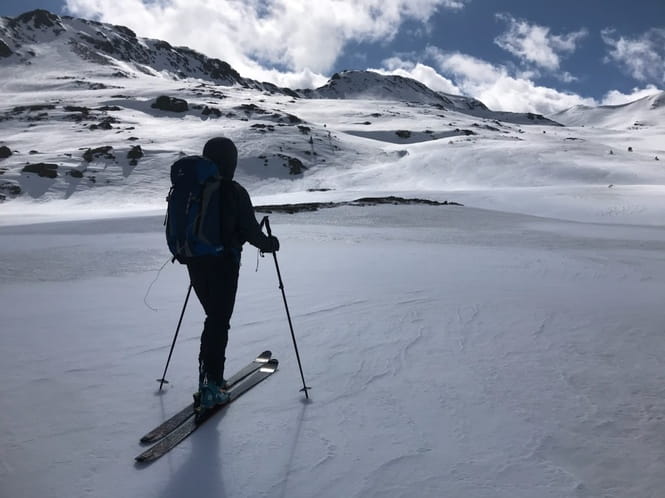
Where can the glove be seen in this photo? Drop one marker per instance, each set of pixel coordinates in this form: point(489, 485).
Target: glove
point(272, 245)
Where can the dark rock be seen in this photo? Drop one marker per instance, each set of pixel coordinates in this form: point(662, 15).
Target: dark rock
point(76, 108)
point(5, 152)
point(125, 31)
point(263, 127)
point(293, 119)
point(42, 169)
point(403, 133)
point(5, 51)
point(9, 189)
point(101, 45)
point(211, 111)
point(104, 124)
point(251, 108)
point(365, 201)
point(171, 104)
point(30, 108)
point(305, 130)
point(74, 173)
point(39, 18)
point(39, 117)
point(103, 152)
point(135, 153)
point(295, 165)
point(391, 199)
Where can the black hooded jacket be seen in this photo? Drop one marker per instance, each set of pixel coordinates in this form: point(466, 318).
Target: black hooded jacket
point(239, 223)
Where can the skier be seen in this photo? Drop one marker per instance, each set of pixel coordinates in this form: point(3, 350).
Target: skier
point(215, 278)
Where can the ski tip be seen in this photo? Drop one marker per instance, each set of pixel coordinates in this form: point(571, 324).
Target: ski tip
point(264, 357)
point(270, 366)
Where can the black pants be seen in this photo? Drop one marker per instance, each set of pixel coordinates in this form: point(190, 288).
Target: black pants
point(215, 281)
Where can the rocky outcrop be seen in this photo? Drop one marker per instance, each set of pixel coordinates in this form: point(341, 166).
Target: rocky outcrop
point(37, 19)
point(44, 170)
point(134, 154)
point(171, 104)
point(364, 201)
point(104, 152)
point(5, 51)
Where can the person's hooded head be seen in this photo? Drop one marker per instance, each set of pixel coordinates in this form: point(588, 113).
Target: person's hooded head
point(222, 151)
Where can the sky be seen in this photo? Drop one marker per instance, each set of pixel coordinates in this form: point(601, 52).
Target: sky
point(514, 55)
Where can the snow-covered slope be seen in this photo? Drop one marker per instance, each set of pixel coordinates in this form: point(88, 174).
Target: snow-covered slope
point(452, 351)
point(83, 130)
point(645, 112)
point(48, 42)
point(369, 85)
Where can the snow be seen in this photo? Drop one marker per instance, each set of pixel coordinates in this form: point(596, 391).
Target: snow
point(510, 347)
point(452, 351)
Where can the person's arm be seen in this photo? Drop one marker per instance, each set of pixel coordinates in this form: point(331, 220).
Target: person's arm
point(248, 227)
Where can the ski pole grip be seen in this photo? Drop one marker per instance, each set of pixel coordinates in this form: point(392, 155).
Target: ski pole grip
point(267, 224)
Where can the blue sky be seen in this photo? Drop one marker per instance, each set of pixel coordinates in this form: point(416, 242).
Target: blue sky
point(521, 55)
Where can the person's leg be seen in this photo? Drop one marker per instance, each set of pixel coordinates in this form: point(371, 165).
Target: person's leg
point(215, 281)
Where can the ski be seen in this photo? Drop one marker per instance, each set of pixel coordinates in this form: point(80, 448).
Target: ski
point(170, 424)
point(192, 423)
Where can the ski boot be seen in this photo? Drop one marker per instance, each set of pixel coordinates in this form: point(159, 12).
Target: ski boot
point(211, 394)
point(202, 387)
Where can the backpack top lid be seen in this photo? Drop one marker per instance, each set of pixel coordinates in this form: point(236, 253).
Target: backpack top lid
point(197, 169)
point(222, 151)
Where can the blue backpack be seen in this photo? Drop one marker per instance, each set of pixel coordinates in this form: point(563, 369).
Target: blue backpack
point(193, 221)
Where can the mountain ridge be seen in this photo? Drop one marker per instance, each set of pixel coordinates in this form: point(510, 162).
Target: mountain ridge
point(119, 47)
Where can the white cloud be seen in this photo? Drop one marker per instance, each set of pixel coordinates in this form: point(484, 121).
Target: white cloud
point(295, 38)
point(615, 97)
point(642, 57)
point(418, 71)
point(535, 44)
point(498, 89)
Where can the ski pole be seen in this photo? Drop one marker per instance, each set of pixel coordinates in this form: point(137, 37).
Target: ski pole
point(304, 389)
point(163, 380)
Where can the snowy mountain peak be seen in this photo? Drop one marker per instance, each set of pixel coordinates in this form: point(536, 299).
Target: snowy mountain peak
point(40, 38)
point(372, 85)
point(37, 19)
point(647, 111)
